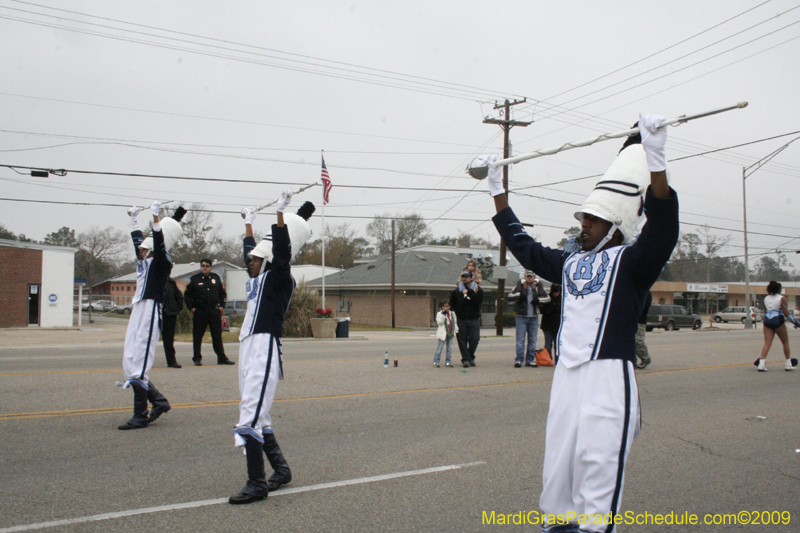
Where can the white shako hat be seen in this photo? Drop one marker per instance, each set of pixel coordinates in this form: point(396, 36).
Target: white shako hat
point(619, 196)
point(171, 228)
point(299, 233)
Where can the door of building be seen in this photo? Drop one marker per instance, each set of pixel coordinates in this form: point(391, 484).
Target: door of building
point(34, 294)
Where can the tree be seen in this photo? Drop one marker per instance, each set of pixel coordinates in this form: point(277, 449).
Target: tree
point(200, 236)
point(465, 240)
point(230, 250)
point(62, 237)
point(768, 269)
point(712, 244)
point(342, 248)
point(100, 251)
point(6, 234)
point(444, 241)
point(571, 233)
point(410, 230)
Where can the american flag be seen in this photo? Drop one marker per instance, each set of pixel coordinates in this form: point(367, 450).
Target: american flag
point(326, 183)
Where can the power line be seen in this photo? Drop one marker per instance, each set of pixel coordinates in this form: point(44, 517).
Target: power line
point(659, 52)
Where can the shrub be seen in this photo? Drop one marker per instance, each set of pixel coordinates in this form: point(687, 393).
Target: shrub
point(304, 305)
point(509, 320)
point(184, 323)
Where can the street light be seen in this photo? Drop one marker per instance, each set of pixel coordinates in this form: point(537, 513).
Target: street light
point(752, 168)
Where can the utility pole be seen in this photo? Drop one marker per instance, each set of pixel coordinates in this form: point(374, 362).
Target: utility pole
point(393, 257)
point(506, 124)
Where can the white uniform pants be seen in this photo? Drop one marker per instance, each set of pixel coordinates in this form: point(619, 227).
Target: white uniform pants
point(591, 424)
point(141, 339)
point(259, 371)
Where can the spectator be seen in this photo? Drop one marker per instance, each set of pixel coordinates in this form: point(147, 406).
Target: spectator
point(474, 279)
point(551, 321)
point(527, 296)
point(642, 354)
point(448, 327)
point(467, 306)
point(173, 303)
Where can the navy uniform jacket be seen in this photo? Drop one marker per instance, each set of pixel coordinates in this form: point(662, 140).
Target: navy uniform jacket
point(269, 294)
point(603, 292)
point(151, 274)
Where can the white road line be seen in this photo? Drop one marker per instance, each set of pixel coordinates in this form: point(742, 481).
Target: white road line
point(203, 503)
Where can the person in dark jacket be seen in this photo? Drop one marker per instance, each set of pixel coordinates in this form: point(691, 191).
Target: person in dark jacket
point(551, 320)
point(173, 303)
point(527, 296)
point(467, 307)
point(641, 348)
point(205, 297)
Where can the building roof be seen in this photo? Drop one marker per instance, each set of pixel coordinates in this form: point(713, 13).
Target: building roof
point(37, 246)
point(413, 270)
point(179, 271)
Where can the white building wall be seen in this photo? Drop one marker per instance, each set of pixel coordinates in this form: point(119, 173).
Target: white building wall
point(58, 269)
point(235, 284)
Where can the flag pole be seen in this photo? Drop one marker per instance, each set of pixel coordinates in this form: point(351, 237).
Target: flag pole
point(323, 239)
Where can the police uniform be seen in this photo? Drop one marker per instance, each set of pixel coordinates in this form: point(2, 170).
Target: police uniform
point(206, 295)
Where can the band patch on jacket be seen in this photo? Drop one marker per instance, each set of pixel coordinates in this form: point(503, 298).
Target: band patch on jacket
point(584, 271)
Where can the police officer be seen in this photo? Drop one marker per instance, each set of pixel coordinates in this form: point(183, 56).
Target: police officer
point(204, 297)
point(173, 303)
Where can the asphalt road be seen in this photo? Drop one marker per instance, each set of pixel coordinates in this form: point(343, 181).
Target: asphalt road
point(718, 437)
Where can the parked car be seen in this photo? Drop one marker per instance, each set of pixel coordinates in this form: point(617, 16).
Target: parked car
point(123, 309)
point(100, 305)
point(671, 317)
point(737, 314)
point(235, 307)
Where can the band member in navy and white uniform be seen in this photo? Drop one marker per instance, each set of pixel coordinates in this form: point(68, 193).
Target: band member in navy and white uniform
point(269, 291)
point(153, 268)
point(606, 275)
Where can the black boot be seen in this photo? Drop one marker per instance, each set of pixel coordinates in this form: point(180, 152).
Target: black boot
point(139, 419)
point(282, 474)
point(256, 487)
point(160, 404)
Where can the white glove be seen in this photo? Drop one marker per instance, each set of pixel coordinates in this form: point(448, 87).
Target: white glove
point(155, 208)
point(283, 202)
point(134, 213)
point(495, 174)
point(249, 215)
point(654, 141)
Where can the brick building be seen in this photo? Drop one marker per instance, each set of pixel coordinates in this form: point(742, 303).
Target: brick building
point(36, 284)
point(121, 289)
point(422, 280)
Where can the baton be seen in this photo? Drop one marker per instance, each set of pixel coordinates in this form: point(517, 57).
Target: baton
point(273, 202)
point(480, 171)
point(160, 204)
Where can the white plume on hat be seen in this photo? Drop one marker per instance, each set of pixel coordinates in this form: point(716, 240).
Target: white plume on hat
point(619, 196)
point(172, 231)
point(299, 234)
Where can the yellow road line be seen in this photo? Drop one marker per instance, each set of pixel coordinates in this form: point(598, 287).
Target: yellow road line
point(218, 403)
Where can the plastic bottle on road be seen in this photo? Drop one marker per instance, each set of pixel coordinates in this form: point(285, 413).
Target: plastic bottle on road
point(386, 359)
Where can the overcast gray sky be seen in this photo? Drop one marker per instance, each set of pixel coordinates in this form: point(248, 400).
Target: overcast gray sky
point(395, 93)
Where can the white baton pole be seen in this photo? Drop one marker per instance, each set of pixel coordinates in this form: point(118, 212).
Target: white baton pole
point(480, 171)
point(273, 202)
